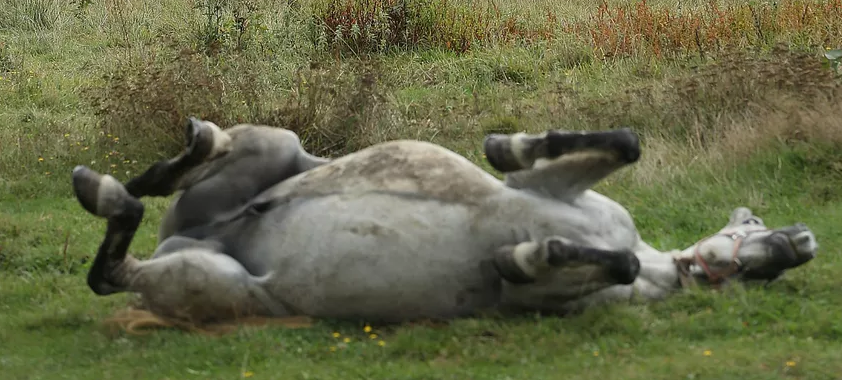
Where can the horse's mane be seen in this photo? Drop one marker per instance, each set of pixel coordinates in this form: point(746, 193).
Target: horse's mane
point(137, 320)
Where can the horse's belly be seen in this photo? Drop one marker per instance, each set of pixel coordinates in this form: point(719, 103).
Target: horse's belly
point(381, 256)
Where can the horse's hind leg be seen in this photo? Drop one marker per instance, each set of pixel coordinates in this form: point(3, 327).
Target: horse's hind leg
point(205, 142)
point(273, 154)
point(189, 281)
point(561, 164)
point(220, 171)
point(559, 268)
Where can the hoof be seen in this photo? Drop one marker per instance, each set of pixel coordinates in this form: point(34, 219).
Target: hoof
point(623, 267)
point(627, 145)
point(498, 152)
point(205, 141)
point(101, 195)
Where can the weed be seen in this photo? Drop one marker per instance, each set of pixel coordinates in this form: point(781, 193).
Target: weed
point(228, 24)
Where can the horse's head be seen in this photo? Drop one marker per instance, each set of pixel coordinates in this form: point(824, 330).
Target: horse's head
point(749, 250)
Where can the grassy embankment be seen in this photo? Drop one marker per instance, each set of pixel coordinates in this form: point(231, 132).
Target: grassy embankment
point(726, 121)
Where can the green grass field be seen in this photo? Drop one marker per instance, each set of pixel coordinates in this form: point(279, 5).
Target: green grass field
point(736, 106)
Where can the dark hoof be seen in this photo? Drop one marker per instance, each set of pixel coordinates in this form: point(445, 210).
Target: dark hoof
point(625, 268)
point(508, 268)
point(622, 266)
point(627, 145)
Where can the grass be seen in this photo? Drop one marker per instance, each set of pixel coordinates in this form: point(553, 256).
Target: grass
point(747, 114)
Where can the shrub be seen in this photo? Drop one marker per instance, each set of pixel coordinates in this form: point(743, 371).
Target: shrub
point(150, 100)
point(336, 110)
point(365, 26)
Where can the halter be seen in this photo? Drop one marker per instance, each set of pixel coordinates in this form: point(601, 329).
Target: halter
point(735, 266)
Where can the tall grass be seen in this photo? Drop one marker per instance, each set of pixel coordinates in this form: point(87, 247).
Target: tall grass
point(111, 82)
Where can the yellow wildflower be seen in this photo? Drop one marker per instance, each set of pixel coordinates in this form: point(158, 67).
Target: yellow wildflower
point(790, 363)
point(347, 340)
point(373, 336)
point(336, 335)
point(707, 353)
point(367, 329)
point(332, 348)
point(596, 353)
point(40, 159)
point(248, 374)
point(381, 343)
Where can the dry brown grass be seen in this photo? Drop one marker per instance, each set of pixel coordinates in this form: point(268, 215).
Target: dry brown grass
point(783, 120)
point(726, 112)
point(638, 28)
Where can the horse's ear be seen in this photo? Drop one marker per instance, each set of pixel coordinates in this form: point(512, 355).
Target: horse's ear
point(740, 214)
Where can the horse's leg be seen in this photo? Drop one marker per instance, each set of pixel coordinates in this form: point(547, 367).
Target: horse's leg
point(189, 281)
point(220, 171)
point(561, 164)
point(270, 152)
point(558, 268)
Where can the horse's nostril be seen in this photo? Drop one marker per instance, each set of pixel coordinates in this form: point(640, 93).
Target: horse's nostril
point(803, 238)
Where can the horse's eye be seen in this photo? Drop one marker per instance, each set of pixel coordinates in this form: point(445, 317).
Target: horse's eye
point(751, 221)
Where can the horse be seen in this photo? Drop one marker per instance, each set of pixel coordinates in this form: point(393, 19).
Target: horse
point(403, 230)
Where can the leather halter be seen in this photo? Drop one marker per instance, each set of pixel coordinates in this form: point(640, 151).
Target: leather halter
point(735, 266)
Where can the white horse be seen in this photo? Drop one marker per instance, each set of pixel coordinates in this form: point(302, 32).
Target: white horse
point(402, 230)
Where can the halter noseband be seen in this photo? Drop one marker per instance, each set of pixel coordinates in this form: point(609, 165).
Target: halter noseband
point(735, 266)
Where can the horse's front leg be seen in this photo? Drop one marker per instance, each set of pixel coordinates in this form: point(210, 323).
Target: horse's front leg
point(561, 164)
point(538, 275)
